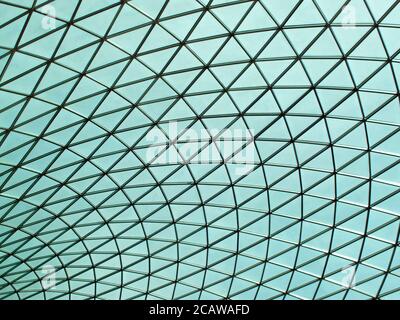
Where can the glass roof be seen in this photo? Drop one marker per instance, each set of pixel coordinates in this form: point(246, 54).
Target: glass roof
point(194, 149)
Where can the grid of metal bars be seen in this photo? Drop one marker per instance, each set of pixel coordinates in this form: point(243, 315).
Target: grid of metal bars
point(77, 192)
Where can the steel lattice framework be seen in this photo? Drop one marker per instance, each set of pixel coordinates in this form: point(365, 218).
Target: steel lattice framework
point(84, 82)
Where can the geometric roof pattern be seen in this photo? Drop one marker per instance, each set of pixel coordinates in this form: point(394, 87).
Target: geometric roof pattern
point(84, 84)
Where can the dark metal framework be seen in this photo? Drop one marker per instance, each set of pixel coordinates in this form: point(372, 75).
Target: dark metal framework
point(80, 196)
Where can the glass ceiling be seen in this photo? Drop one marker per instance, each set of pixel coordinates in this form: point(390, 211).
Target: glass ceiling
point(104, 195)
